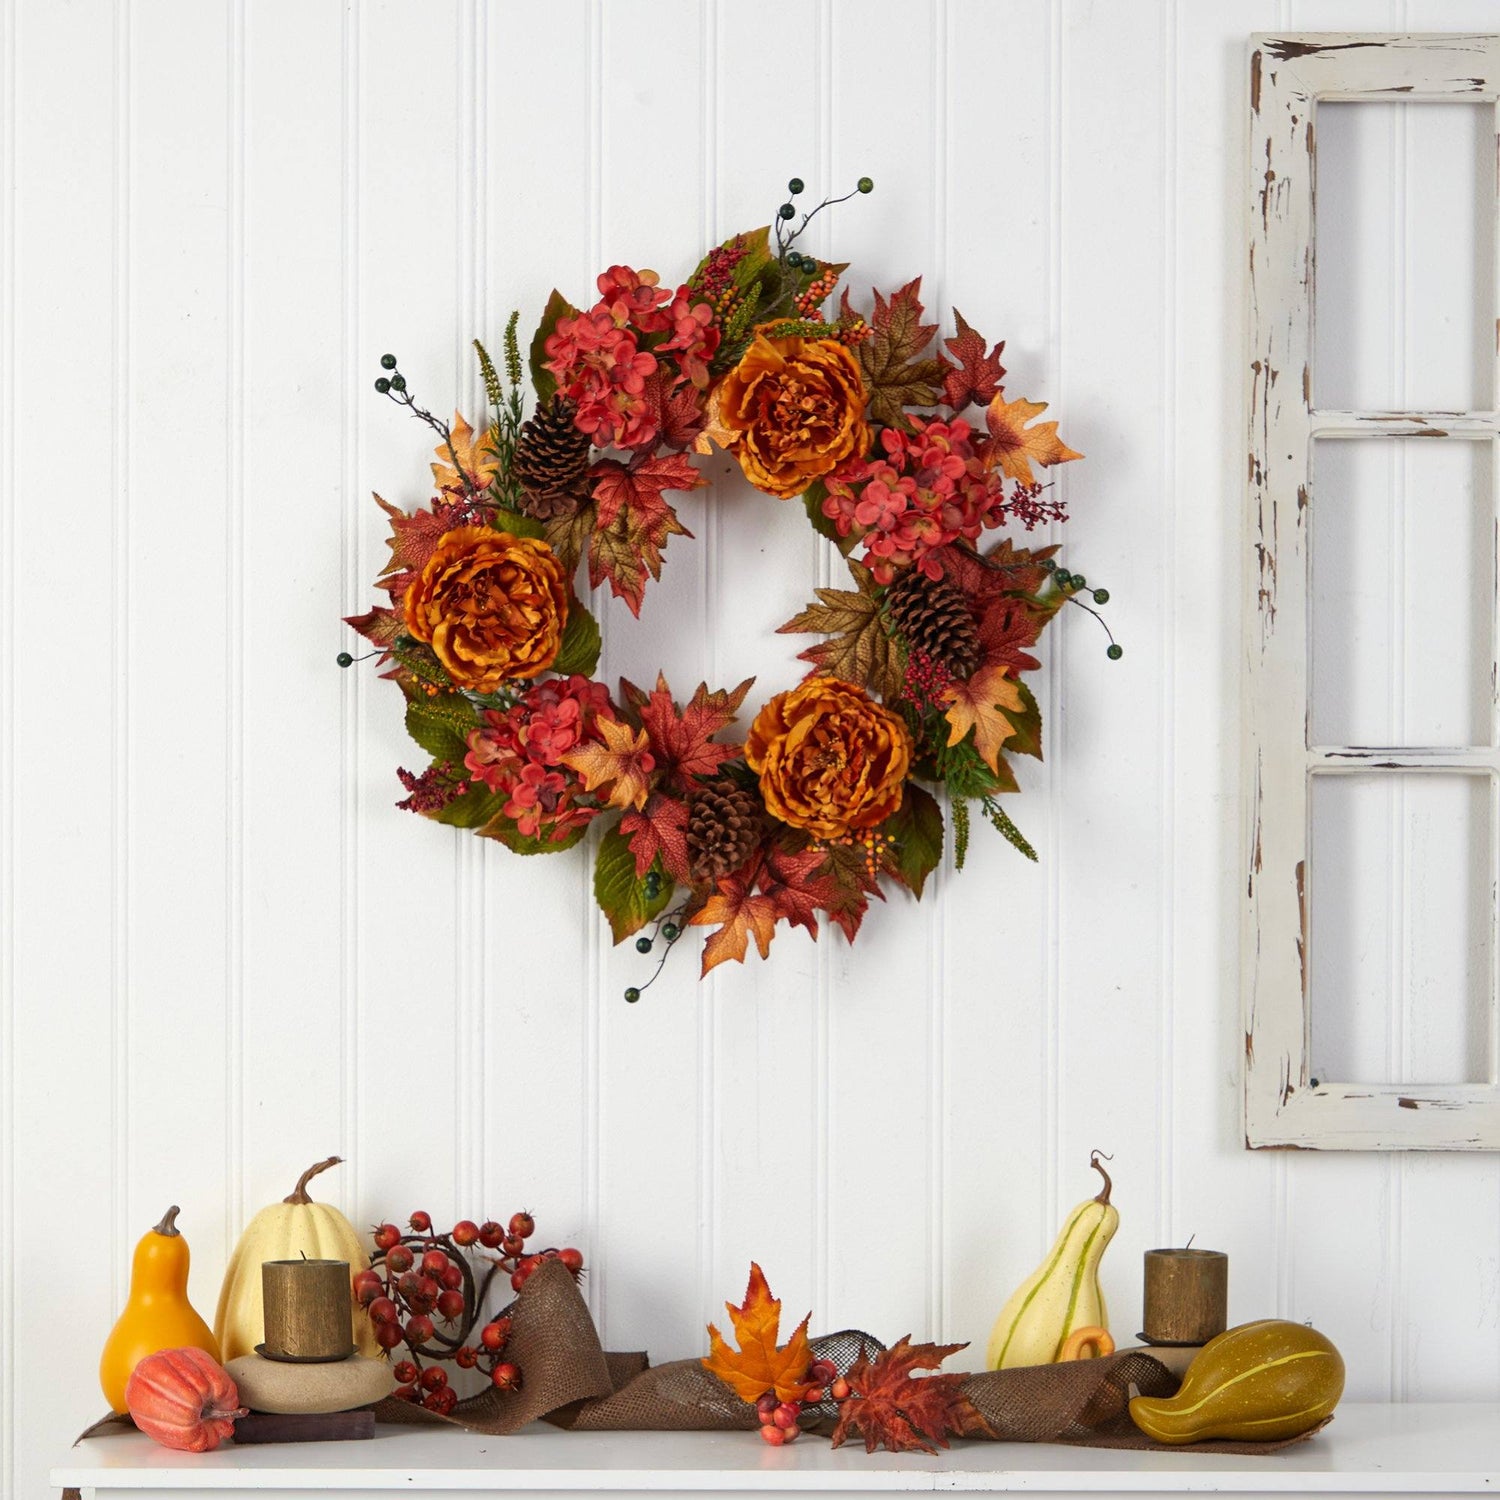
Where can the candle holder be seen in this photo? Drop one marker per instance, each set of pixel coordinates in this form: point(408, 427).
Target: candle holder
point(307, 1311)
point(1186, 1297)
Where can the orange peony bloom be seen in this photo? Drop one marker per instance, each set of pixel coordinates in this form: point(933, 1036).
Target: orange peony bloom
point(792, 411)
point(491, 605)
point(829, 757)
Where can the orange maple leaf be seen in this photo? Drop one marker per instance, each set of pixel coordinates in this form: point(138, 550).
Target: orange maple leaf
point(758, 1366)
point(744, 915)
point(476, 456)
point(977, 704)
point(1014, 446)
point(623, 763)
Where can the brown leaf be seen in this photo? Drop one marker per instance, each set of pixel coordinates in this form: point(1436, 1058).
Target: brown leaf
point(891, 1410)
point(897, 375)
point(568, 536)
point(977, 375)
point(634, 522)
point(860, 649)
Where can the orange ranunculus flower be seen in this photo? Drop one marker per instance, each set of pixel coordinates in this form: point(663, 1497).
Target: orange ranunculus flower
point(792, 411)
point(491, 605)
point(829, 757)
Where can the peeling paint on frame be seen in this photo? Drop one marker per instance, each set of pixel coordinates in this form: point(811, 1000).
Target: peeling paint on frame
point(1283, 1106)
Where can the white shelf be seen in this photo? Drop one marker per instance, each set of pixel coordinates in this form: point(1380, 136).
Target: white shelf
point(1413, 1449)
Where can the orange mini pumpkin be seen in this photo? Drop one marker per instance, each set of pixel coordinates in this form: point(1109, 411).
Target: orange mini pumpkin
point(184, 1399)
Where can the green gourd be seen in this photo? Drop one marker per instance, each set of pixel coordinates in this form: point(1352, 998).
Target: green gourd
point(1265, 1381)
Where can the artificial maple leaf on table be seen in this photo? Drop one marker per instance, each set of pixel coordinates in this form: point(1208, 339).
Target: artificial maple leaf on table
point(758, 1367)
point(890, 1408)
point(979, 704)
point(1014, 447)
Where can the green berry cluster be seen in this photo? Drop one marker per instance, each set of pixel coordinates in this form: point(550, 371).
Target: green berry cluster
point(395, 381)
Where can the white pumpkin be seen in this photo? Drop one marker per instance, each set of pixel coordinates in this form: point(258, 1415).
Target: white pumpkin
point(287, 1231)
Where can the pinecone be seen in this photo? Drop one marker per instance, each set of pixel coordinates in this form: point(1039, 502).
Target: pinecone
point(552, 462)
point(934, 618)
point(724, 826)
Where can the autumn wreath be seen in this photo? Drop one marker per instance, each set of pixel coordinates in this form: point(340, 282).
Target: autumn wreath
point(919, 678)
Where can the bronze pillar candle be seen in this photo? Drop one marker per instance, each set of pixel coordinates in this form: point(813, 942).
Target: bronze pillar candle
point(1187, 1296)
point(307, 1309)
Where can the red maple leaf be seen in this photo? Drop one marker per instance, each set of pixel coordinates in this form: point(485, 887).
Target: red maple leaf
point(682, 740)
point(412, 541)
point(659, 828)
point(1006, 628)
point(850, 884)
point(678, 408)
point(977, 375)
point(890, 1409)
point(380, 626)
point(633, 521)
point(1004, 569)
point(796, 888)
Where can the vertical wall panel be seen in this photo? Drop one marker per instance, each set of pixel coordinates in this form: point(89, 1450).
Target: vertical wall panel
point(1107, 740)
point(410, 65)
point(882, 996)
point(648, 1132)
point(287, 384)
point(538, 992)
point(994, 1112)
point(765, 1152)
point(179, 287)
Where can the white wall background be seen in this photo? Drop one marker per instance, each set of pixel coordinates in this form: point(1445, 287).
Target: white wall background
point(225, 953)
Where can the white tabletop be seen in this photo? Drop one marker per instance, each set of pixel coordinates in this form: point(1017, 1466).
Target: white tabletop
point(1453, 1448)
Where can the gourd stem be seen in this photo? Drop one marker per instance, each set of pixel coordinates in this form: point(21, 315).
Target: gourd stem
point(168, 1225)
point(1094, 1162)
point(299, 1193)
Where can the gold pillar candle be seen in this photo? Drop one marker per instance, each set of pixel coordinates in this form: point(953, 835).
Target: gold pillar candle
point(307, 1309)
point(1186, 1297)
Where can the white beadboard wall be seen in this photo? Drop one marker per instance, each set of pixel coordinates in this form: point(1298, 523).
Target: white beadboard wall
point(225, 953)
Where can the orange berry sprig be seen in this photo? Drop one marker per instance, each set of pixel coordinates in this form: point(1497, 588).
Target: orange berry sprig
point(421, 1290)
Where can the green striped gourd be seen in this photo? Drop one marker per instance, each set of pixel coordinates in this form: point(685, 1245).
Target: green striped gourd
point(1063, 1292)
point(1263, 1381)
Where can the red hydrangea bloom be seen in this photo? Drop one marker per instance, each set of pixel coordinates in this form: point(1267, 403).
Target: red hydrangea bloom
point(929, 489)
point(519, 753)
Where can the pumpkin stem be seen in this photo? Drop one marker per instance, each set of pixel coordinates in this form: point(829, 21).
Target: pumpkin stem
point(299, 1193)
point(168, 1225)
point(1094, 1160)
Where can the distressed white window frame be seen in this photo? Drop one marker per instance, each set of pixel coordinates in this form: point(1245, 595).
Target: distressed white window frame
point(1284, 1104)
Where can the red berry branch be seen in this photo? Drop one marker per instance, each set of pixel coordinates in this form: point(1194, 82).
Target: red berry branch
point(428, 1291)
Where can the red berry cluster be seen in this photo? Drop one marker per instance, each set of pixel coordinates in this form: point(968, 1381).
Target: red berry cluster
point(422, 1290)
point(778, 1419)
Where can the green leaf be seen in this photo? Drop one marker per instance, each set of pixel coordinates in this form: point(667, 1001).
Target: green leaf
point(517, 524)
point(579, 651)
point(441, 726)
point(474, 809)
point(620, 893)
point(506, 831)
point(917, 827)
point(542, 378)
point(812, 502)
point(1027, 739)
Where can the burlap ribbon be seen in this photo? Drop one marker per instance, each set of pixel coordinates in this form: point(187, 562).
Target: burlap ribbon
point(570, 1381)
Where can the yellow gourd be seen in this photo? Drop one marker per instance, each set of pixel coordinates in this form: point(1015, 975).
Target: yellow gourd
point(1262, 1381)
point(157, 1313)
point(287, 1231)
point(1062, 1295)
